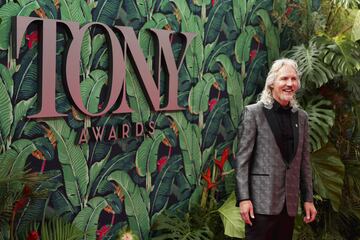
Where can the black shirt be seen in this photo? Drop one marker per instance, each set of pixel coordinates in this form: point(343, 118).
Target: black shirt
point(283, 123)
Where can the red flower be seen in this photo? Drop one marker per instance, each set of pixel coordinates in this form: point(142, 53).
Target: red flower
point(288, 11)
point(26, 191)
point(161, 162)
point(32, 38)
point(20, 204)
point(102, 232)
point(253, 54)
point(212, 103)
point(34, 235)
point(212, 2)
point(224, 158)
point(207, 178)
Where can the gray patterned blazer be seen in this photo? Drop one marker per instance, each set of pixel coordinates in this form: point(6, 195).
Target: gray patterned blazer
point(262, 175)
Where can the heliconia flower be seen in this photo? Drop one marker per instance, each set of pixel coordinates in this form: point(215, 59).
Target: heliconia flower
point(289, 10)
point(212, 2)
point(224, 158)
point(212, 103)
point(27, 191)
point(161, 163)
point(20, 204)
point(34, 235)
point(32, 38)
point(109, 209)
point(207, 178)
point(253, 54)
point(101, 233)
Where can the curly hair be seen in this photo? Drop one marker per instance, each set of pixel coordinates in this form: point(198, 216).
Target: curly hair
point(266, 95)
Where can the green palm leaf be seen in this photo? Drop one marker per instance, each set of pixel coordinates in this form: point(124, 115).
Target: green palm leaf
point(9, 10)
point(20, 111)
point(17, 155)
point(234, 88)
point(234, 226)
point(215, 20)
point(342, 54)
point(6, 78)
point(199, 94)
point(91, 88)
point(26, 79)
point(213, 121)
point(313, 71)
point(243, 44)
point(58, 229)
point(72, 160)
point(137, 99)
point(272, 40)
point(159, 196)
point(6, 117)
point(135, 203)
point(328, 171)
point(321, 119)
point(147, 156)
point(106, 11)
point(124, 161)
point(189, 138)
point(88, 218)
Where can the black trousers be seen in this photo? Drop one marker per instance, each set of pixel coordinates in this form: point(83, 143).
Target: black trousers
point(270, 227)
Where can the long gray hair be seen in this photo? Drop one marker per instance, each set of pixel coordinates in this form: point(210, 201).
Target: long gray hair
point(266, 95)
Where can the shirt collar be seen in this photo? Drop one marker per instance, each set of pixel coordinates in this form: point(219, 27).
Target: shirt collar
point(278, 107)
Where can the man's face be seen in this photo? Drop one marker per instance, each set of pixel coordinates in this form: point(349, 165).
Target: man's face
point(285, 85)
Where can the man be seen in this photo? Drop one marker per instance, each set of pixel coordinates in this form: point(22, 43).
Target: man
point(272, 164)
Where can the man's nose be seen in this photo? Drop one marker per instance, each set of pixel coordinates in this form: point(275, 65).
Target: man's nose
point(289, 82)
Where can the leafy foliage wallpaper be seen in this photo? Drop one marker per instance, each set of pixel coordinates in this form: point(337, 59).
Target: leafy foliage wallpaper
point(105, 187)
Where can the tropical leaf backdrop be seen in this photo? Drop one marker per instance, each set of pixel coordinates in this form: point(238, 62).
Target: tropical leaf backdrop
point(130, 185)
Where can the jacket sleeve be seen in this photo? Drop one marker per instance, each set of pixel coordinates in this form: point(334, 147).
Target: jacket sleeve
point(306, 186)
point(247, 138)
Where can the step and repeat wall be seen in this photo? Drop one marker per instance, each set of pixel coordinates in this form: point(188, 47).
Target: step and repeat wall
point(129, 108)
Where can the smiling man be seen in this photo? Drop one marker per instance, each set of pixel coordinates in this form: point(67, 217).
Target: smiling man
point(272, 163)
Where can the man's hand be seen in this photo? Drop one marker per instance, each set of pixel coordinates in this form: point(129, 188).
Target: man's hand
point(310, 212)
point(246, 211)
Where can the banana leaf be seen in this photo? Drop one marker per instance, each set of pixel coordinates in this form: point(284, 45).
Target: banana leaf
point(9, 10)
point(159, 197)
point(91, 89)
point(72, 160)
point(106, 11)
point(189, 139)
point(135, 204)
point(63, 206)
point(195, 54)
point(234, 88)
point(17, 155)
point(7, 80)
point(213, 121)
point(137, 99)
point(20, 111)
point(243, 44)
point(26, 79)
point(88, 218)
point(215, 20)
point(49, 8)
point(272, 40)
point(6, 116)
point(132, 10)
point(147, 156)
point(199, 94)
point(124, 161)
point(224, 47)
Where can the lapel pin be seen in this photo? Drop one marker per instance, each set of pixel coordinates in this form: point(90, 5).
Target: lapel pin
point(296, 125)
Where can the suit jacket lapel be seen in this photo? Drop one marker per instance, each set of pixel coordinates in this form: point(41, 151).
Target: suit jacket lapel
point(276, 129)
point(273, 125)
